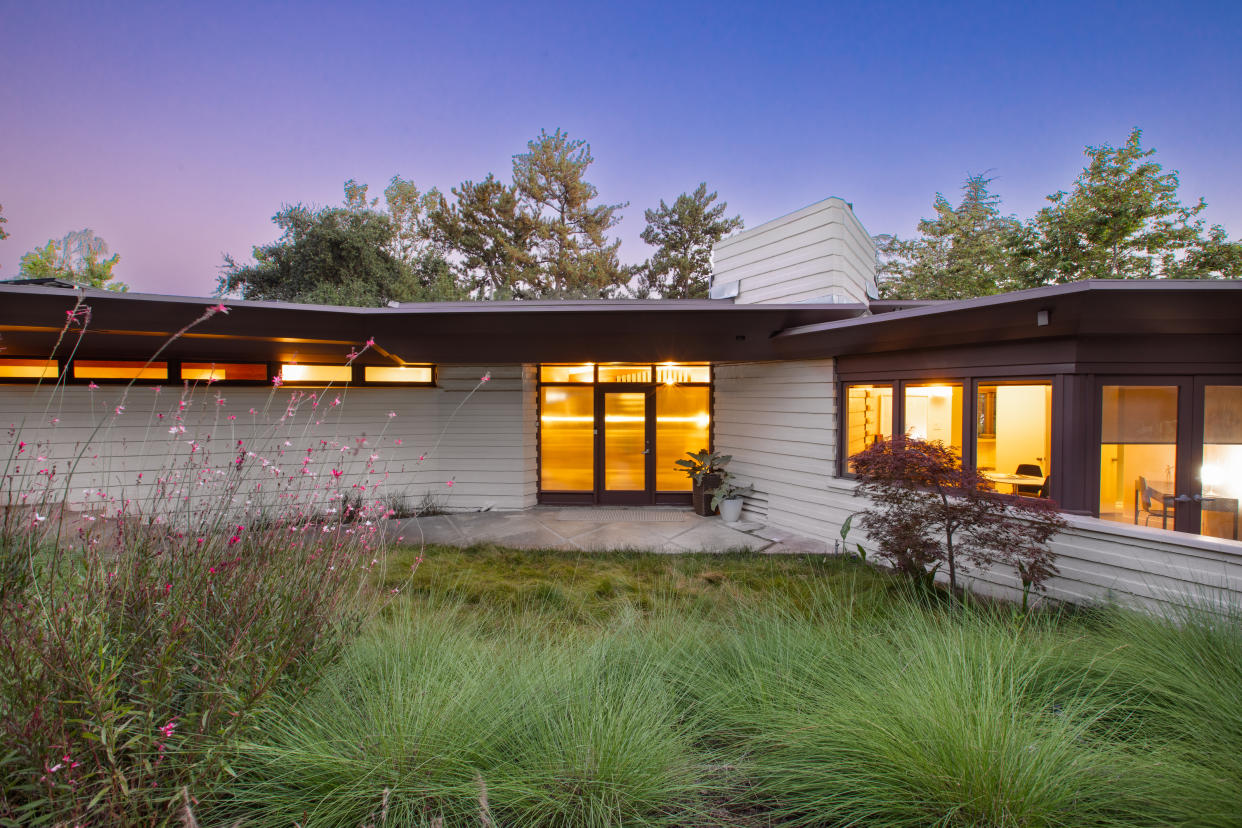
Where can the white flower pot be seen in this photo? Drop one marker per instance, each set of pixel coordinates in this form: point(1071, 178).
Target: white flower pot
point(731, 509)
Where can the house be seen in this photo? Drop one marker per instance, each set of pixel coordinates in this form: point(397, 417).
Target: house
point(1120, 400)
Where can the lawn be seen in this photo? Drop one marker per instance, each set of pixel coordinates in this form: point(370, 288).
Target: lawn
point(526, 688)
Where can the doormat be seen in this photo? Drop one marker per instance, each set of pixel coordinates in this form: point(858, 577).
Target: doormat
point(623, 515)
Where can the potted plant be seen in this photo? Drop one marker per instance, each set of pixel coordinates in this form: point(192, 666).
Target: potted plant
point(728, 498)
point(706, 471)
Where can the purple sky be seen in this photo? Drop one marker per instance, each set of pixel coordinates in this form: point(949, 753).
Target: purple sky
point(175, 133)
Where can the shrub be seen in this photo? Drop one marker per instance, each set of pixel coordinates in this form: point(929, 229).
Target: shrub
point(139, 637)
point(927, 511)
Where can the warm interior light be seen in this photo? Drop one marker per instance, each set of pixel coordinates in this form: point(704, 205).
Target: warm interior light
point(290, 372)
point(403, 373)
point(108, 370)
point(222, 371)
point(29, 369)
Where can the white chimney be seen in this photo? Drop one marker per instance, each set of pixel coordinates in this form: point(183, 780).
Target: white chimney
point(820, 253)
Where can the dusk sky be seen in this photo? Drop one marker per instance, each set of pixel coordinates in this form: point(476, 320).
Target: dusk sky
point(175, 131)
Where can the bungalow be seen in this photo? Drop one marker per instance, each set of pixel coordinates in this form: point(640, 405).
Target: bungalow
point(1120, 400)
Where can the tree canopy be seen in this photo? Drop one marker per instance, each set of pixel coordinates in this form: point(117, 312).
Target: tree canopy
point(1121, 219)
point(81, 256)
point(683, 234)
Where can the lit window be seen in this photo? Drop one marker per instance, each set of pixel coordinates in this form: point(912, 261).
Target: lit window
point(669, 373)
point(624, 372)
point(567, 439)
point(112, 370)
point(869, 416)
point(420, 374)
point(1221, 473)
point(1013, 435)
point(934, 412)
point(567, 373)
point(224, 371)
point(1138, 454)
point(290, 372)
point(682, 425)
point(29, 369)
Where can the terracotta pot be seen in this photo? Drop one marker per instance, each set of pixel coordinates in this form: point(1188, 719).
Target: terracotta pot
point(701, 494)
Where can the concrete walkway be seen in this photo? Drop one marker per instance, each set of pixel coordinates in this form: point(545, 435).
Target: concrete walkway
point(655, 529)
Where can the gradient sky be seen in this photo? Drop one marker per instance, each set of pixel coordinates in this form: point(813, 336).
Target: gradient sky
point(176, 130)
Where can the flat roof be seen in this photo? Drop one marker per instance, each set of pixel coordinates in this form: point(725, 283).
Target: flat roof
point(133, 325)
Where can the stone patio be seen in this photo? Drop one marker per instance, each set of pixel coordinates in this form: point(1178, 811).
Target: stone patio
point(594, 529)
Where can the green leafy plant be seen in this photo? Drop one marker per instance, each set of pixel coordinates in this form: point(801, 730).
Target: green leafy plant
point(703, 462)
point(729, 487)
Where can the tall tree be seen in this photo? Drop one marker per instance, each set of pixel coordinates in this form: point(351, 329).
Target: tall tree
point(492, 238)
point(962, 251)
point(1121, 220)
point(683, 234)
point(572, 249)
point(81, 256)
point(355, 254)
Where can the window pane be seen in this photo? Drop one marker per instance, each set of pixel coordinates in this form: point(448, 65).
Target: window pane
point(682, 421)
point(670, 372)
point(29, 369)
point(1013, 434)
point(625, 438)
point(316, 373)
point(567, 373)
point(934, 412)
point(621, 372)
point(567, 439)
point(397, 373)
point(1221, 475)
point(108, 369)
point(868, 417)
point(1138, 454)
point(223, 371)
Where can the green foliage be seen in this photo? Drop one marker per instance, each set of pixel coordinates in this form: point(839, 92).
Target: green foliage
point(1122, 219)
point(683, 234)
point(542, 236)
point(4, 234)
point(493, 238)
point(560, 688)
point(703, 462)
point(963, 251)
point(349, 255)
point(728, 487)
point(78, 257)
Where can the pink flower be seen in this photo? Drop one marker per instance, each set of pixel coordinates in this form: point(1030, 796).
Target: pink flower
point(220, 308)
point(277, 381)
point(370, 342)
point(234, 539)
point(92, 386)
point(486, 377)
point(449, 484)
point(337, 472)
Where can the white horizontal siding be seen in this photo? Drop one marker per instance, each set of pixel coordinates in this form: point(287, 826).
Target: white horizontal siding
point(1098, 560)
point(484, 446)
point(818, 251)
point(777, 419)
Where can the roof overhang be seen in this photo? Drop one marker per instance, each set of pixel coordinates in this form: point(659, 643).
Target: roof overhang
point(133, 326)
point(1081, 309)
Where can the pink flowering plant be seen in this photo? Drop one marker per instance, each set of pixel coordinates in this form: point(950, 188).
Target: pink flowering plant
point(167, 561)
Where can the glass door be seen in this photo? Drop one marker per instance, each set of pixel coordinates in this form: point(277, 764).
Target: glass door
point(625, 446)
point(1220, 468)
point(1171, 453)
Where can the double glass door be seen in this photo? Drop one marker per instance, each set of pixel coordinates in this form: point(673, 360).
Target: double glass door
point(618, 443)
point(1171, 453)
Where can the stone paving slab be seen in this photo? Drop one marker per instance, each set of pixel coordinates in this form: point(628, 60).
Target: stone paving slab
point(546, 527)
